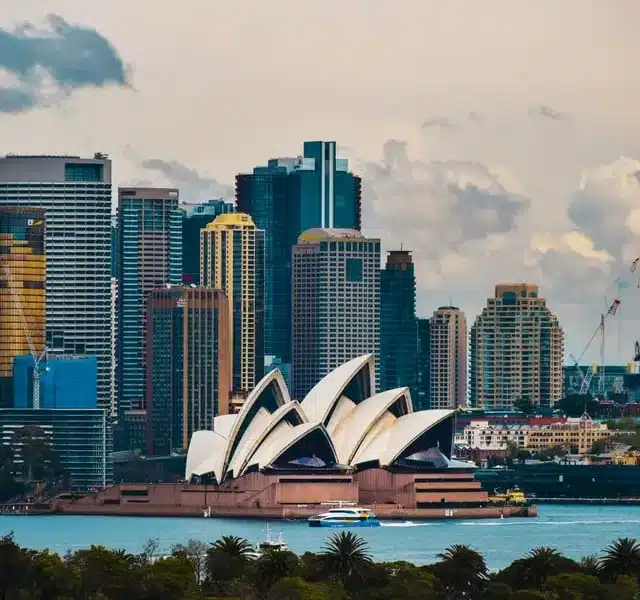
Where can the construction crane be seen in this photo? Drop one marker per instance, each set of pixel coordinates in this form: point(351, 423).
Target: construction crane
point(39, 359)
point(600, 330)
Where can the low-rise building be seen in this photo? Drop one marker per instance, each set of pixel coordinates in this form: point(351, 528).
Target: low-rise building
point(580, 433)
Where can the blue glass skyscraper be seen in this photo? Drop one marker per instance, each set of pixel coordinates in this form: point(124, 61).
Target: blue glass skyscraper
point(285, 198)
point(150, 256)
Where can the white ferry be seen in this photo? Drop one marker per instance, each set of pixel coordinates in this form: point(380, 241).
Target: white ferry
point(272, 543)
point(342, 516)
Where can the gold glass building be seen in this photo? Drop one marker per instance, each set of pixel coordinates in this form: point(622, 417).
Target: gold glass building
point(22, 290)
point(232, 260)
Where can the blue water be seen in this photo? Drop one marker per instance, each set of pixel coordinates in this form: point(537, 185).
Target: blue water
point(574, 530)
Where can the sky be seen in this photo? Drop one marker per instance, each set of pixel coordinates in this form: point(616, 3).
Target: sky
point(498, 140)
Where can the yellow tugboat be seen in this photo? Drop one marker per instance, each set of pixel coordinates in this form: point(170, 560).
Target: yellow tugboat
point(512, 497)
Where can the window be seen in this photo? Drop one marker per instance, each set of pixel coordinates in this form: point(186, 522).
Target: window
point(354, 269)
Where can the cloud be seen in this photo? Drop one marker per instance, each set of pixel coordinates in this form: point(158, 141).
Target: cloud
point(443, 123)
point(193, 186)
point(64, 56)
point(547, 112)
point(449, 212)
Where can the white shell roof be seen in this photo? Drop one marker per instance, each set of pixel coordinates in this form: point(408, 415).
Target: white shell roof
point(357, 432)
point(318, 402)
point(389, 444)
point(351, 430)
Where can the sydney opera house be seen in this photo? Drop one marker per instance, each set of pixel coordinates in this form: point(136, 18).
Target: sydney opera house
point(280, 458)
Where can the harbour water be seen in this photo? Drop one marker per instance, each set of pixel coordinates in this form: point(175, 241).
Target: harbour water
point(575, 530)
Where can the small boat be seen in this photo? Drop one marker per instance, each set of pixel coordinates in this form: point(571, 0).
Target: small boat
point(512, 497)
point(345, 517)
point(272, 543)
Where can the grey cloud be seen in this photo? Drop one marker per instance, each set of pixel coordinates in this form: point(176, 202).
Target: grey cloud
point(193, 186)
point(547, 112)
point(73, 56)
point(437, 206)
point(443, 123)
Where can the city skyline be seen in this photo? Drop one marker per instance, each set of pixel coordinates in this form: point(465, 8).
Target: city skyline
point(463, 163)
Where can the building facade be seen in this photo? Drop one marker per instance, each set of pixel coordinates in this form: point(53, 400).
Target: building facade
point(193, 221)
point(65, 382)
point(398, 326)
point(606, 379)
point(80, 439)
point(336, 303)
point(285, 198)
point(421, 398)
point(22, 290)
point(188, 364)
point(232, 260)
point(76, 195)
point(150, 255)
point(447, 358)
point(517, 348)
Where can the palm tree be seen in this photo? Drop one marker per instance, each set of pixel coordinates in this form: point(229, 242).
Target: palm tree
point(462, 571)
point(621, 558)
point(227, 559)
point(540, 564)
point(345, 557)
point(271, 567)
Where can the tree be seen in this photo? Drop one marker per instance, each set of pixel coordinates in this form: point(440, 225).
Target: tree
point(569, 586)
point(34, 447)
point(52, 578)
point(621, 558)
point(150, 550)
point(170, 578)
point(525, 406)
point(271, 567)
point(345, 558)
point(462, 571)
point(196, 553)
point(533, 570)
point(294, 588)
point(575, 405)
point(14, 566)
point(227, 560)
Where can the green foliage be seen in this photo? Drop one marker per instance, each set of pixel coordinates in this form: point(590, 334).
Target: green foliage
point(343, 571)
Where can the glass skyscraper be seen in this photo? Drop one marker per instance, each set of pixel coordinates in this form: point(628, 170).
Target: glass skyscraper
point(150, 255)
point(285, 198)
point(398, 327)
point(76, 195)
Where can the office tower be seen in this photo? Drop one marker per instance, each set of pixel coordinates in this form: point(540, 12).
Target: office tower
point(114, 246)
point(232, 259)
point(336, 303)
point(114, 345)
point(65, 382)
point(22, 293)
point(447, 358)
point(398, 331)
point(517, 348)
point(421, 401)
point(192, 222)
point(188, 364)
point(285, 198)
point(76, 195)
point(150, 255)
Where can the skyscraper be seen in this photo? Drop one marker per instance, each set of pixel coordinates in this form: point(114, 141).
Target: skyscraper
point(232, 259)
point(193, 222)
point(421, 401)
point(150, 254)
point(398, 328)
point(336, 302)
point(22, 294)
point(447, 358)
point(76, 195)
point(517, 348)
point(188, 364)
point(284, 198)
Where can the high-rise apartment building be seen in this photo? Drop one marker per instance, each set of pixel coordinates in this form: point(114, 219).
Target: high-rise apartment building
point(193, 221)
point(336, 303)
point(285, 198)
point(150, 255)
point(188, 364)
point(517, 348)
point(232, 260)
point(398, 328)
point(76, 195)
point(447, 358)
point(22, 293)
point(421, 399)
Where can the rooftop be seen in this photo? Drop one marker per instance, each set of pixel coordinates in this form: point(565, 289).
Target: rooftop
point(230, 220)
point(318, 234)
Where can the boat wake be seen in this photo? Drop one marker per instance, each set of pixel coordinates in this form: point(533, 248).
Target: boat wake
point(509, 522)
point(403, 524)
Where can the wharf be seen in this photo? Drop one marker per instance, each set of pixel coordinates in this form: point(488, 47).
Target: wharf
point(591, 501)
